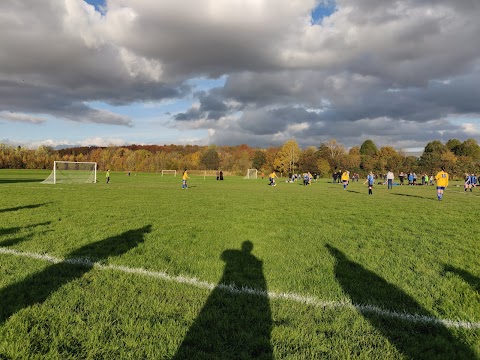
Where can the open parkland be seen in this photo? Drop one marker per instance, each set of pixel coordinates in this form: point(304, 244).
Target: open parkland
point(236, 269)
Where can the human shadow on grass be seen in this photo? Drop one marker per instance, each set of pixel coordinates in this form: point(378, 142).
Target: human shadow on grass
point(13, 230)
point(36, 288)
point(16, 208)
point(472, 280)
point(233, 324)
point(415, 340)
point(417, 196)
point(357, 192)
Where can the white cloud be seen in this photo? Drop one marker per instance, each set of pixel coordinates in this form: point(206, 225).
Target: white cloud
point(21, 117)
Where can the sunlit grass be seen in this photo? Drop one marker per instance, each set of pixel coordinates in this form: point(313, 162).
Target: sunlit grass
point(399, 250)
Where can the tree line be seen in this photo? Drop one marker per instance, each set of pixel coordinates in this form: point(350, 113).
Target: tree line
point(458, 157)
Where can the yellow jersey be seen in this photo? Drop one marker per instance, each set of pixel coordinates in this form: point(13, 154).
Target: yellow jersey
point(345, 176)
point(273, 175)
point(442, 179)
point(185, 176)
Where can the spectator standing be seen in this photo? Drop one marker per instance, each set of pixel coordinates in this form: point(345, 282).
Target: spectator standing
point(390, 178)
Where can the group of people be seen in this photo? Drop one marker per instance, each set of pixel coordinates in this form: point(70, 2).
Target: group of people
point(470, 182)
point(441, 179)
point(307, 177)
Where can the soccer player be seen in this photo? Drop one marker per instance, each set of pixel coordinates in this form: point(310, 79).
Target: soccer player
point(272, 177)
point(107, 175)
point(442, 182)
point(468, 182)
point(345, 179)
point(184, 179)
point(370, 180)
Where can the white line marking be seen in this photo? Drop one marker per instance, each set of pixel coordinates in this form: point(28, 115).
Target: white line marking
point(309, 300)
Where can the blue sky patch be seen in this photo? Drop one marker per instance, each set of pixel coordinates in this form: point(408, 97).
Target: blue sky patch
point(100, 5)
point(324, 9)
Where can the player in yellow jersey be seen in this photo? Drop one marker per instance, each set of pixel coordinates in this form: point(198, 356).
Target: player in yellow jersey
point(345, 179)
point(184, 180)
point(272, 177)
point(442, 182)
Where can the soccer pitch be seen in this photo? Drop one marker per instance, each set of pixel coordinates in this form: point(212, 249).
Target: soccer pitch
point(236, 269)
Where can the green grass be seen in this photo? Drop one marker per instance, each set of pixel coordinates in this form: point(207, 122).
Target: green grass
point(399, 250)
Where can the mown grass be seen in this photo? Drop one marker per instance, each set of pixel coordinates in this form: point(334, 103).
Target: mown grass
point(400, 250)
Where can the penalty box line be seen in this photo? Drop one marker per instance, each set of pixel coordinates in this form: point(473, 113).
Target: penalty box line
point(231, 288)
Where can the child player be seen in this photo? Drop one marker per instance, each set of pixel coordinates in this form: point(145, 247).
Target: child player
point(370, 180)
point(345, 179)
point(442, 182)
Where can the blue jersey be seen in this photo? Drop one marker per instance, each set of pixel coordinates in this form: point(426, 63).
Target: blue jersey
point(474, 179)
point(371, 179)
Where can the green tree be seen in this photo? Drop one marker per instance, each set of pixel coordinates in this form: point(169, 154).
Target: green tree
point(210, 158)
point(470, 149)
point(453, 145)
point(259, 159)
point(368, 148)
point(432, 155)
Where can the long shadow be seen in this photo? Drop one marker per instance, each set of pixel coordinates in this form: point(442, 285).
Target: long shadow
point(34, 206)
point(413, 340)
point(14, 181)
point(36, 288)
point(357, 192)
point(13, 230)
point(473, 280)
point(416, 196)
point(233, 325)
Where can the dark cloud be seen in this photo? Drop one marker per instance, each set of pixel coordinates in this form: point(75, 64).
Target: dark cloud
point(397, 71)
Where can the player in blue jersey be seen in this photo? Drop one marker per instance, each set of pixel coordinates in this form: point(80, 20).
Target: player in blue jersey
point(370, 181)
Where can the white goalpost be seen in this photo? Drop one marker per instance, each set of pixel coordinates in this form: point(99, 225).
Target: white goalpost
point(169, 172)
point(72, 172)
point(251, 174)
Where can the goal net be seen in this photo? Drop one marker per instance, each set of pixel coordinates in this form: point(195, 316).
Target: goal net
point(169, 172)
point(72, 172)
point(251, 174)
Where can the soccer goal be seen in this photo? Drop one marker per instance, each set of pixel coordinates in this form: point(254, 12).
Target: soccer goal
point(169, 172)
point(251, 174)
point(72, 172)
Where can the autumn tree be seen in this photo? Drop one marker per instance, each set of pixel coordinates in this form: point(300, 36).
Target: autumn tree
point(308, 160)
point(287, 158)
point(332, 151)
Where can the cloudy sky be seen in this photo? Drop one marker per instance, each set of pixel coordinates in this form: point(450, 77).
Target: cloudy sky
point(227, 72)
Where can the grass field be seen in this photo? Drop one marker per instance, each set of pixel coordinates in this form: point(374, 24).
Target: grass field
point(236, 269)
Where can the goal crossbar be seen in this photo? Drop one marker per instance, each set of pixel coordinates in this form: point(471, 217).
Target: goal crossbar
point(73, 172)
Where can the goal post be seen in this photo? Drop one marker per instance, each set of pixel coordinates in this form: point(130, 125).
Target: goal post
point(169, 172)
point(72, 172)
point(251, 174)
